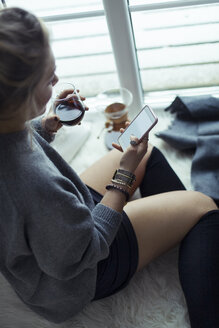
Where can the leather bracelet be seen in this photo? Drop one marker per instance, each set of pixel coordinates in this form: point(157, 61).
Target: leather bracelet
point(112, 186)
point(131, 175)
point(125, 176)
point(121, 182)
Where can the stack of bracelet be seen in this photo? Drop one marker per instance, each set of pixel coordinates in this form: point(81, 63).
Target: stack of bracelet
point(123, 178)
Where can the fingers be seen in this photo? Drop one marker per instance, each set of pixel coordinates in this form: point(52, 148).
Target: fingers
point(143, 145)
point(134, 141)
point(145, 138)
point(139, 145)
point(58, 122)
point(69, 94)
point(127, 123)
point(83, 99)
point(59, 126)
point(116, 146)
point(52, 123)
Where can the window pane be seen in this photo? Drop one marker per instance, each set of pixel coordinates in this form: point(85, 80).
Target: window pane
point(81, 46)
point(177, 48)
point(52, 7)
point(83, 54)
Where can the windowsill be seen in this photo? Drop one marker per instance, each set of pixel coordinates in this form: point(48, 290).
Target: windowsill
point(161, 99)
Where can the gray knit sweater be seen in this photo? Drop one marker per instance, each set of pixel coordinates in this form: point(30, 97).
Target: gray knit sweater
point(51, 233)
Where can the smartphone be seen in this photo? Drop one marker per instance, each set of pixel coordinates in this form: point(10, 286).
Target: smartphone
point(139, 127)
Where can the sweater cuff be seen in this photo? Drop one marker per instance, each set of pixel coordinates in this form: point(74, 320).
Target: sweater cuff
point(37, 126)
point(107, 214)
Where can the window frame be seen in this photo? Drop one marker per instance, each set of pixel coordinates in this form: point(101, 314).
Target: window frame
point(118, 17)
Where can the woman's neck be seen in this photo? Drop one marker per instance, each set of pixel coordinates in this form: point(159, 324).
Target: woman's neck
point(10, 126)
point(13, 119)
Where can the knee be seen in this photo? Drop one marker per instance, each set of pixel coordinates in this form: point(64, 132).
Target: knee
point(203, 203)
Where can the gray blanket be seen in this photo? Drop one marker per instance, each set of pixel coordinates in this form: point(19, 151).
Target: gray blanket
point(196, 126)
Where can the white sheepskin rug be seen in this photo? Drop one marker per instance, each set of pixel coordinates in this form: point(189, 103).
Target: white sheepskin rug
point(154, 298)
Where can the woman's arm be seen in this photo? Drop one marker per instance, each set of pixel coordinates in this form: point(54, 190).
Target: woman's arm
point(116, 198)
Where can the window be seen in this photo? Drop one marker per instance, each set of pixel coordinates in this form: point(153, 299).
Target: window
point(80, 41)
point(56, 7)
point(83, 53)
point(177, 48)
point(177, 44)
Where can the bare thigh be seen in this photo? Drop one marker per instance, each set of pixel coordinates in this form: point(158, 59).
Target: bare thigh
point(100, 173)
point(161, 221)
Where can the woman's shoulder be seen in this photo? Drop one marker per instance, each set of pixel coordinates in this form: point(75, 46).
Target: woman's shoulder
point(25, 166)
point(37, 171)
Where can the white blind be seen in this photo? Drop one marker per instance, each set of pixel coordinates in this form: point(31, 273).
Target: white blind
point(81, 46)
point(178, 48)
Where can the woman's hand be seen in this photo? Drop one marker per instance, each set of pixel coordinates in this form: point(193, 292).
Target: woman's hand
point(134, 153)
point(51, 123)
point(68, 93)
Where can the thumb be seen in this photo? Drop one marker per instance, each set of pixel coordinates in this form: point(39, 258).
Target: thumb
point(52, 123)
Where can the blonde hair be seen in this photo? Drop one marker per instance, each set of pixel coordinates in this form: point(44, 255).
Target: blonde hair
point(24, 47)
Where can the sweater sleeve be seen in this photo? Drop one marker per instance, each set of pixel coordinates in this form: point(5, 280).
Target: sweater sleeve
point(67, 237)
point(36, 124)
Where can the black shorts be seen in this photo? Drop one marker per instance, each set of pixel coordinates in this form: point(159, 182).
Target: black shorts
point(114, 272)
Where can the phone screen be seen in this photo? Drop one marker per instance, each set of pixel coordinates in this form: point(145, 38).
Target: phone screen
point(140, 126)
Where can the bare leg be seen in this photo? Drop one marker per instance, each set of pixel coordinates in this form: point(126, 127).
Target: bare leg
point(162, 221)
point(100, 173)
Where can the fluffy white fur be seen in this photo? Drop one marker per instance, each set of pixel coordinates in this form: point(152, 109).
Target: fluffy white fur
point(154, 298)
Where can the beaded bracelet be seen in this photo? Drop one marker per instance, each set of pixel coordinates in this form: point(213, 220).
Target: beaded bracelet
point(112, 186)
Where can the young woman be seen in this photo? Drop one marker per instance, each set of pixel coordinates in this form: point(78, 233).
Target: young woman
point(67, 240)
